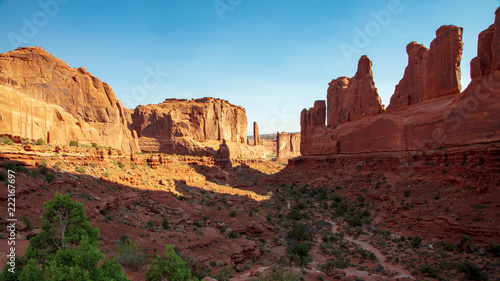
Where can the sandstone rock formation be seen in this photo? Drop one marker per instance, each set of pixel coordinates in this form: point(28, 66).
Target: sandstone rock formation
point(34, 119)
point(223, 156)
point(201, 119)
point(350, 99)
point(256, 135)
point(315, 138)
point(193, 127)
point(57, 103)
point(474, 114)
point(431, 73)
point(288, 145)
point(315, 115)
point(223, 151)
point(439, 116)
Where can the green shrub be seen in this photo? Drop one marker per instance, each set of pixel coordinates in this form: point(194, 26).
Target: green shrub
point(295, 214)
point(129, 254)
point(81, 170)
point(172, 267)
point(472, 271)
point(233, 234)
point(415, 241)
point(27, 222)
point(41, 141)
point(94, 145)
point(358, 218)
point(224, 274)
point(299, 254)
point(73, 143)
point(6, 140)
point(35, 173)
point(50, 177)
point(3, 176)
point(299, 232)
point(22, 169)
point(429, 271)
point(103, 212)
point(329, 267)
point(493, 249)
point(365, 254)
point(150, 224)
point(232, 213)
point(407, 193)
point(10, 166)
point(165, 224)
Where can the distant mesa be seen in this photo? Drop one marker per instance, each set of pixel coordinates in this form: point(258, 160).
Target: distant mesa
point(193, 127)
point(428, 109)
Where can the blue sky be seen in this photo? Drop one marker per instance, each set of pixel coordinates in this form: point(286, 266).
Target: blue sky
point(272, 57)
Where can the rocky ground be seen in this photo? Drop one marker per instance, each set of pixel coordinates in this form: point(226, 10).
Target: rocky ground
point(428, 215)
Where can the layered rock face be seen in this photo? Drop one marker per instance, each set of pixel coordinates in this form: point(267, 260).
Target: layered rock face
point(350, 99)
point(288, 145)
point(193, 127)
point(431, 73)
point(315, 137)
point(427, 110)
point(57, 103)
point(202, 120)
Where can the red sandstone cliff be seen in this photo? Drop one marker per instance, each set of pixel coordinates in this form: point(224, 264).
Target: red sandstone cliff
point(350, 99)
point(42, 97)
point(193, 127)
point(431, 73)
point(288, 145)
point(439, 114)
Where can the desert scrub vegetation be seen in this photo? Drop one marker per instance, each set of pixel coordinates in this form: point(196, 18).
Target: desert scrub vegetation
point(81, 170)
point(298, 251)
point(172, 267)
point(329, 267)
point(130, 255)
point(6, 140)
point(278, 273)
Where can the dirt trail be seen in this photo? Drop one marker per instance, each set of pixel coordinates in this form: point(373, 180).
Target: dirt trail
point(402, 273)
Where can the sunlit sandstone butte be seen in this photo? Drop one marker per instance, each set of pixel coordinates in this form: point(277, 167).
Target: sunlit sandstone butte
point(428, 109)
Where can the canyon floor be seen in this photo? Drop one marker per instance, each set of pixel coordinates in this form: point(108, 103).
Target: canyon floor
point(384, 216)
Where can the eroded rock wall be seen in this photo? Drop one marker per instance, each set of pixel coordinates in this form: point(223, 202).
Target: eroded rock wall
point(40, 76)
point(193, 127)
point(427, 110)
point(288, 145)
point(431, 73)
point(351, 99)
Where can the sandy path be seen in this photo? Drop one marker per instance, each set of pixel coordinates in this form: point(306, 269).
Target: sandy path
point(402, 273)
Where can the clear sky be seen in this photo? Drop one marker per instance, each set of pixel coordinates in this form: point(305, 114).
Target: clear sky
point(273, 57)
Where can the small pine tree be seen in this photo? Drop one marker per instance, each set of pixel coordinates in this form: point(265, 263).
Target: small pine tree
point(172, 267)
point(66, 248)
